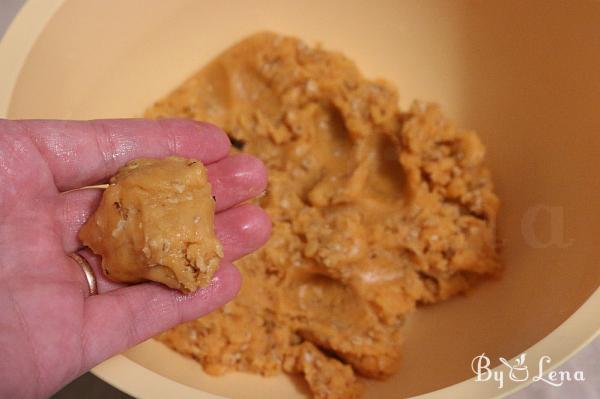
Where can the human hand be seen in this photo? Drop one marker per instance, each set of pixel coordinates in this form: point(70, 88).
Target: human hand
point(51, 330)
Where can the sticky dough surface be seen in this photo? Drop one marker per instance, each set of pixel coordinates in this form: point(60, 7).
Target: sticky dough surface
point(156, 222)
point(375, 210)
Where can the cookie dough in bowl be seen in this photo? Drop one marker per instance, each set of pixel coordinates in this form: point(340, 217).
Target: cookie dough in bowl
point(156, 222)
point(375, 210)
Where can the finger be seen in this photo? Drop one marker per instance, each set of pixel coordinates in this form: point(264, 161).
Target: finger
point(125, 317)
point(73, 209)
point(103, 283)
point(236, 179)
point(79, 153)
point(242, 230)
point(233, 180)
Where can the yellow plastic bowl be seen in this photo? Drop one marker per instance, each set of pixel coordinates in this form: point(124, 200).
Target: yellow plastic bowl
point(524, 74)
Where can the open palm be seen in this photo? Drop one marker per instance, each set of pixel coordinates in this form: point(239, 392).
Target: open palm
point(51, 330)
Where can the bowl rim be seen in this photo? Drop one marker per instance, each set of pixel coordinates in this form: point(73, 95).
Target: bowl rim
point(573, 334)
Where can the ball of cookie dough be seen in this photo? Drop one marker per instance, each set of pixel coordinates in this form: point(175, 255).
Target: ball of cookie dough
point(156, 222)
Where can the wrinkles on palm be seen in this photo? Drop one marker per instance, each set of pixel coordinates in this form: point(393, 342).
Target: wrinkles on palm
point(51, 331)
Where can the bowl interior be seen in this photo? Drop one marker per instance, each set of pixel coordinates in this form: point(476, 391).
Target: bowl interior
point(523, 74)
